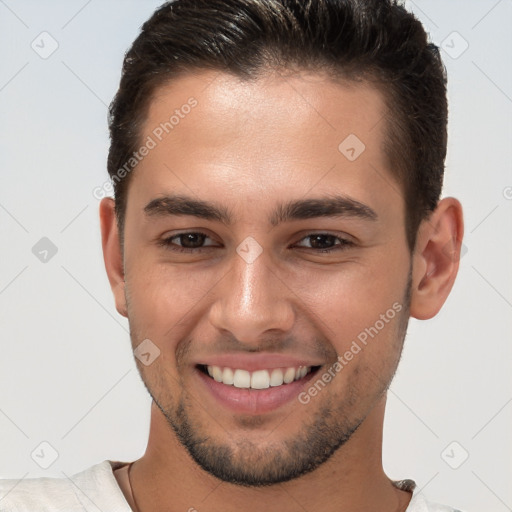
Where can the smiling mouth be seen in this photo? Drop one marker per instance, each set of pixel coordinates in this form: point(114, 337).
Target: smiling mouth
point(259, 379)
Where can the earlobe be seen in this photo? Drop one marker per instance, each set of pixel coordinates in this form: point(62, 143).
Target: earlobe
point(436, 258)
point(112, 254)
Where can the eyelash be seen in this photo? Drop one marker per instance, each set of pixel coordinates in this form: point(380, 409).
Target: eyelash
point(167, 243)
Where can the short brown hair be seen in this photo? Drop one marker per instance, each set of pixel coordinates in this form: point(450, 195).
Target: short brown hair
point(378, 41)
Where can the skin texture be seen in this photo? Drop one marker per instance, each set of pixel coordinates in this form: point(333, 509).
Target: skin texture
point(248, 146)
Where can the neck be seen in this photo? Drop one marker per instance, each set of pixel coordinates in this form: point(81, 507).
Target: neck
point(352, 479)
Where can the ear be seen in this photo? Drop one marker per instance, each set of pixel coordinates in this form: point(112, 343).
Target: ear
point(112, 254)
point(436, 258)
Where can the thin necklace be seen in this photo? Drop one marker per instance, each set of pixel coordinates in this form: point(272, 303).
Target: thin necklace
point(137, 509)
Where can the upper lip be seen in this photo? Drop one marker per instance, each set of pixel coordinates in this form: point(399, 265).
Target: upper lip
point(254, 362)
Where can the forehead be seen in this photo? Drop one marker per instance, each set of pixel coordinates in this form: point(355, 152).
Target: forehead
point(305, 104)
point(245, 138)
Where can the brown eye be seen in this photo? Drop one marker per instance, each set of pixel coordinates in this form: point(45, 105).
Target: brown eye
point(191, 240)
point(187, 242)
point(325, 242)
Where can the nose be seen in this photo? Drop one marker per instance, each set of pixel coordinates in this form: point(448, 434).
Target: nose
point(252, 301)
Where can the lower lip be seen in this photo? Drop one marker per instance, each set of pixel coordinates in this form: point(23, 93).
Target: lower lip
point(254, 401)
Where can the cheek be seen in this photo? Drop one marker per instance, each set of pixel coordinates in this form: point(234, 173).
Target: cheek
point(162, 298)
point(348, 301)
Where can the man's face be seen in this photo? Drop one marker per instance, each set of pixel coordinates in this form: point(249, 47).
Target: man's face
point(262, 293)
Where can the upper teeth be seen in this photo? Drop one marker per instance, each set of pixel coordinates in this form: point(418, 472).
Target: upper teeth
point(260, 379)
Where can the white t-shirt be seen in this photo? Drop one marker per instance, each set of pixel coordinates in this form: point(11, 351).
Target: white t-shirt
point(96, 489)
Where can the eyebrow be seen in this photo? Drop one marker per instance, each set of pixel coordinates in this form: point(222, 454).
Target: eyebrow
point(328, 206)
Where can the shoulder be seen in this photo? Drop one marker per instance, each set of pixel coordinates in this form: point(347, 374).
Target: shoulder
point(418, 501)
point(420, 504)
point(75, 493)
point(42, 494)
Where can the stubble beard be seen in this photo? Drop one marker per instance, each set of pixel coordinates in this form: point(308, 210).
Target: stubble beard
point(247, 463)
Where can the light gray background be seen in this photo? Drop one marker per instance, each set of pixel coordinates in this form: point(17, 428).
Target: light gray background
point(67, 375)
